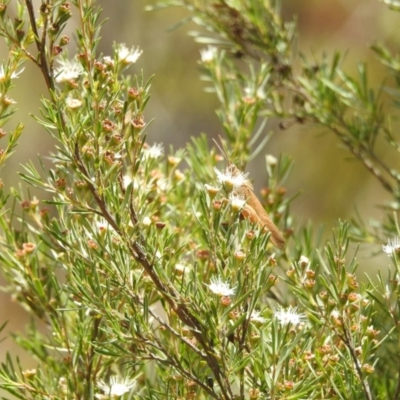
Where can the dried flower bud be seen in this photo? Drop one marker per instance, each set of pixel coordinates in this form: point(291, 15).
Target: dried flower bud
point(61, 183)
point(108, 125)
point(272, 261)
point(179, 175)
point(240, 255)
point(29, 373)
point(310, 274)
point(309, 283)
point(353, 297)
point(308, 355)
point(371, 332)
point(160, 225)
point(226, 301)
point(273, 279)
point(44, 212)
point(291, 272)
point(133, 93)
point(288, 385)
point(64, 41)
point(203, 254)
point(26, 204)
point(57, 50)
point(211, 190)
point(254, 393)
point(28, 247)
point(173, 161)
point(333, 359)
point(323, 295)
point(368, 369)
point(92, 244)
point(325, 349)
point(138, 123)
point(217, 204)
point(234, 315)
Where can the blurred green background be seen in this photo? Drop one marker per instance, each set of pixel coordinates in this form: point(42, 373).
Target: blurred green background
point(330, 183)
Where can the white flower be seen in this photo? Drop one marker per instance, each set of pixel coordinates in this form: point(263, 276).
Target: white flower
point(3, 74)
point(68, 70)
point(208, 54)
point(256, 317)
point(155, 151)
point(289, 316)
point(335, 313)
point(127, 180)
point(73, 103)
point(181, 269)
point(271, 160)
point(304, 261)
point(116, 387)
point(146, 221)
point(128, 56)
point(108, 61)
point(220, 288)
point(231, 177)
point(392, 246)
point(7, 101)
point(162, 185)
point(248, 91)
point(212, 189)
point(237, 201)
point(260, 93)
point(102, 225)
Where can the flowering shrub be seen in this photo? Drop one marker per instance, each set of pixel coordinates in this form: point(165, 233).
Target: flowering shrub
point(163, 275)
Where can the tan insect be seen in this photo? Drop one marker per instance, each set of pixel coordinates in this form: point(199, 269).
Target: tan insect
point(237, 183)
point(253, 209)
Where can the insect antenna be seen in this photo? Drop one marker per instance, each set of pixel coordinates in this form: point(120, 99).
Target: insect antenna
point(222, 149)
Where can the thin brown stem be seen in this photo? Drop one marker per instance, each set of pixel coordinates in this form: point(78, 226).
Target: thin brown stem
point(41, 47)
point(347, 341)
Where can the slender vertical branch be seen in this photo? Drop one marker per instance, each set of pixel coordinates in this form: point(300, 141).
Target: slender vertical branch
point(41, 47)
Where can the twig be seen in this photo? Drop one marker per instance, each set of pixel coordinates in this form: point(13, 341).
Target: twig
point(40, 45)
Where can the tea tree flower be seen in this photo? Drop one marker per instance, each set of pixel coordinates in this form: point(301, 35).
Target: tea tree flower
point(68, 71)
point(146, 221)
point(211, 190)
point(127, 180)
point(155, 151)
point(128, 56)
point(256, 317)
point(73, 103)
point(304, 261)
point(220, 288)
point(231, 178)
point(289, 316)
point(116, 387)
point(237, 201)
point(271, 160)
point(392, 246)
point(3, 74)
point(102, 224)
point(208, 54)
